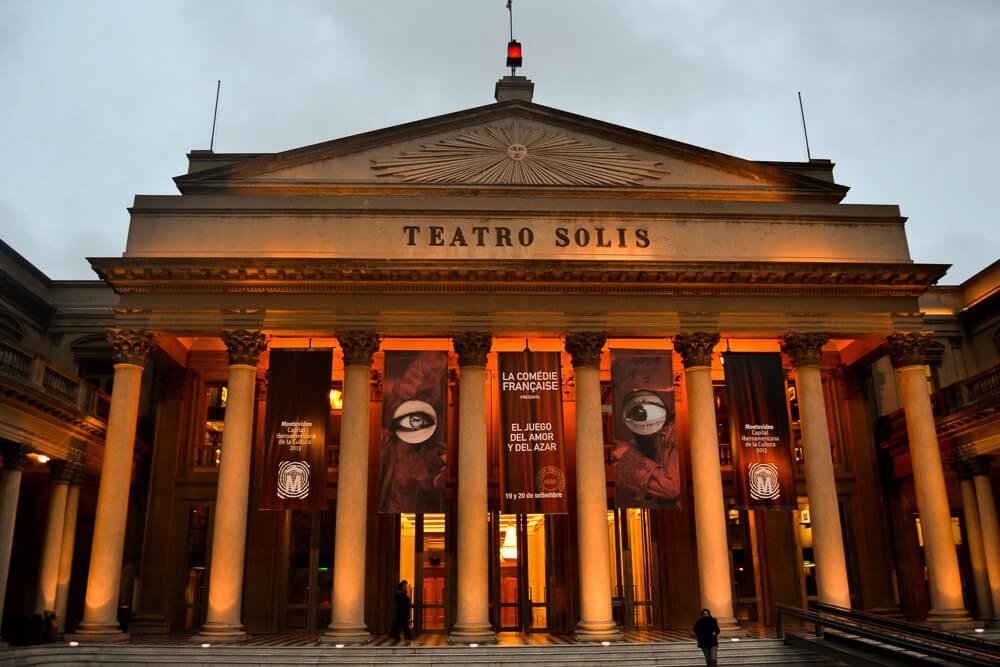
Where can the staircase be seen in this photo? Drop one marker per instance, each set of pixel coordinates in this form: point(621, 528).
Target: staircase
point(749, 652)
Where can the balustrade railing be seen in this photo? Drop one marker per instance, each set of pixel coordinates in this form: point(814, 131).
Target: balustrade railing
point(955, 397)
point(36, 371)
point(14, 362)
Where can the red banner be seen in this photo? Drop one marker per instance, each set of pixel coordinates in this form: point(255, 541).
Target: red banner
point(292, 467)
point(532, 444)
point(759, 431)
point(414, 432)
point(646, 470)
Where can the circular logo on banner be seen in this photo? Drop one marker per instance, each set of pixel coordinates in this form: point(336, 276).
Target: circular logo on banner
point(293, 479)
point(764, 484)
point(550, 480)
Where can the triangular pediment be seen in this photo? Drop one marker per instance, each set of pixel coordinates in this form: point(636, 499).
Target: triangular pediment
point(509, 144)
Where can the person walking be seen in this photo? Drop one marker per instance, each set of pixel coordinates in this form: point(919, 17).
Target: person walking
point(706, 629)
point(401, 620)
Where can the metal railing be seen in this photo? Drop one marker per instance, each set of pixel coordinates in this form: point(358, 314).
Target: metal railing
point(894, 635)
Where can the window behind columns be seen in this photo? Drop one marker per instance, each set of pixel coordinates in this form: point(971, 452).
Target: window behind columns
point(208, 450)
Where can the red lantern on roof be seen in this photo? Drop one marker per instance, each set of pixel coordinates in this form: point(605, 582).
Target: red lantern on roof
point(513, 53)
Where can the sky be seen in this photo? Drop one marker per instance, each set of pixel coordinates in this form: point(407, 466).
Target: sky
point(101, 100)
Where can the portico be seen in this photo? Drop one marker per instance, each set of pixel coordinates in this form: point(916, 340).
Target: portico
point(426, 237)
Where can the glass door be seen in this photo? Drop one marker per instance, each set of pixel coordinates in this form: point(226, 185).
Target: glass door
point(422, 563)
point(197, 539)
point(632, 590)
point(522, 590)
point(309, 579)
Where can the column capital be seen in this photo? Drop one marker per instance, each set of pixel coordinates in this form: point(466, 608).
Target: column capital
point(908, 349)
point(472, 347)
point(14, 455)
point(804, 349)
point(359, 347)
point(585, 348)
point(244, 346)
point(696, 348)
point(61, 471)
point(130, 346)
point(77, 459)
point(968, 467)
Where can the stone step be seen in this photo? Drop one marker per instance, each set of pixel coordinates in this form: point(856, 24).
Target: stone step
point(672, 654)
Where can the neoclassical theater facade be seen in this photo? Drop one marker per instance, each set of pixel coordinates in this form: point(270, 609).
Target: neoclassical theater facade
point(501, 228)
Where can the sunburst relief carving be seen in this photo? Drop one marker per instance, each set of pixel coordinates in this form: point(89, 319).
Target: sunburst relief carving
point(517, 154)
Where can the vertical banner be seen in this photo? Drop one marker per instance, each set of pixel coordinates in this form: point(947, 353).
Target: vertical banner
point(646, 469)
point(292, 467)
point(759, 431)
point(531, 428)
point(414, 432)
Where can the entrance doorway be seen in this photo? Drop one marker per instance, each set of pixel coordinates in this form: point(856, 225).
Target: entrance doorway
point(309, 580)
point(423, 563)
point(631, 576)
point(522, 572)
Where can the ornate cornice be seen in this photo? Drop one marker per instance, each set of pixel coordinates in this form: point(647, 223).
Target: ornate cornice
point(804, 349)
point(132, 275)
point(244, 346)
point(359, 347)
point(585, 348)
point(514, 153)
point(472, 348)
point(696, 348)
point(908, 349)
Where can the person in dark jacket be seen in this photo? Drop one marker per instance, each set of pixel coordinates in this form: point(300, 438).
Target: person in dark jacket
point(401, 620)
point(707, 632)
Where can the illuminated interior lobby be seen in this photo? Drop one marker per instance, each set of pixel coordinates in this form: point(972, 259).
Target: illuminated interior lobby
point(500, 228)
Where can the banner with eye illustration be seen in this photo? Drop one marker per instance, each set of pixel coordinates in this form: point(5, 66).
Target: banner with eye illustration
point(414, 432)
point(292, 467)
point(759, 431)
point(532, 448)
point(646, 470)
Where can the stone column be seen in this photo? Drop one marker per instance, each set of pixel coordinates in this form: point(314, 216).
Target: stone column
point(974, 533)
point(10, 488)
point(596, 618)
point(229, 531)
point(715, 577)
point(68, 544)
point(908, 352)
point(48, 567)
point(990, 528)
point(351, 530)
point(832, 586)
point(100, 611)
point(472, 622)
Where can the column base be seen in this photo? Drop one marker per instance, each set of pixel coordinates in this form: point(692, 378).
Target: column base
point(730, 628)
point(889, 611)
point(472, 633)
point(348, 635)
point(597, 631)
point(950, 619)
point(216, 632)
point(149, 625)
point(97, 632)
